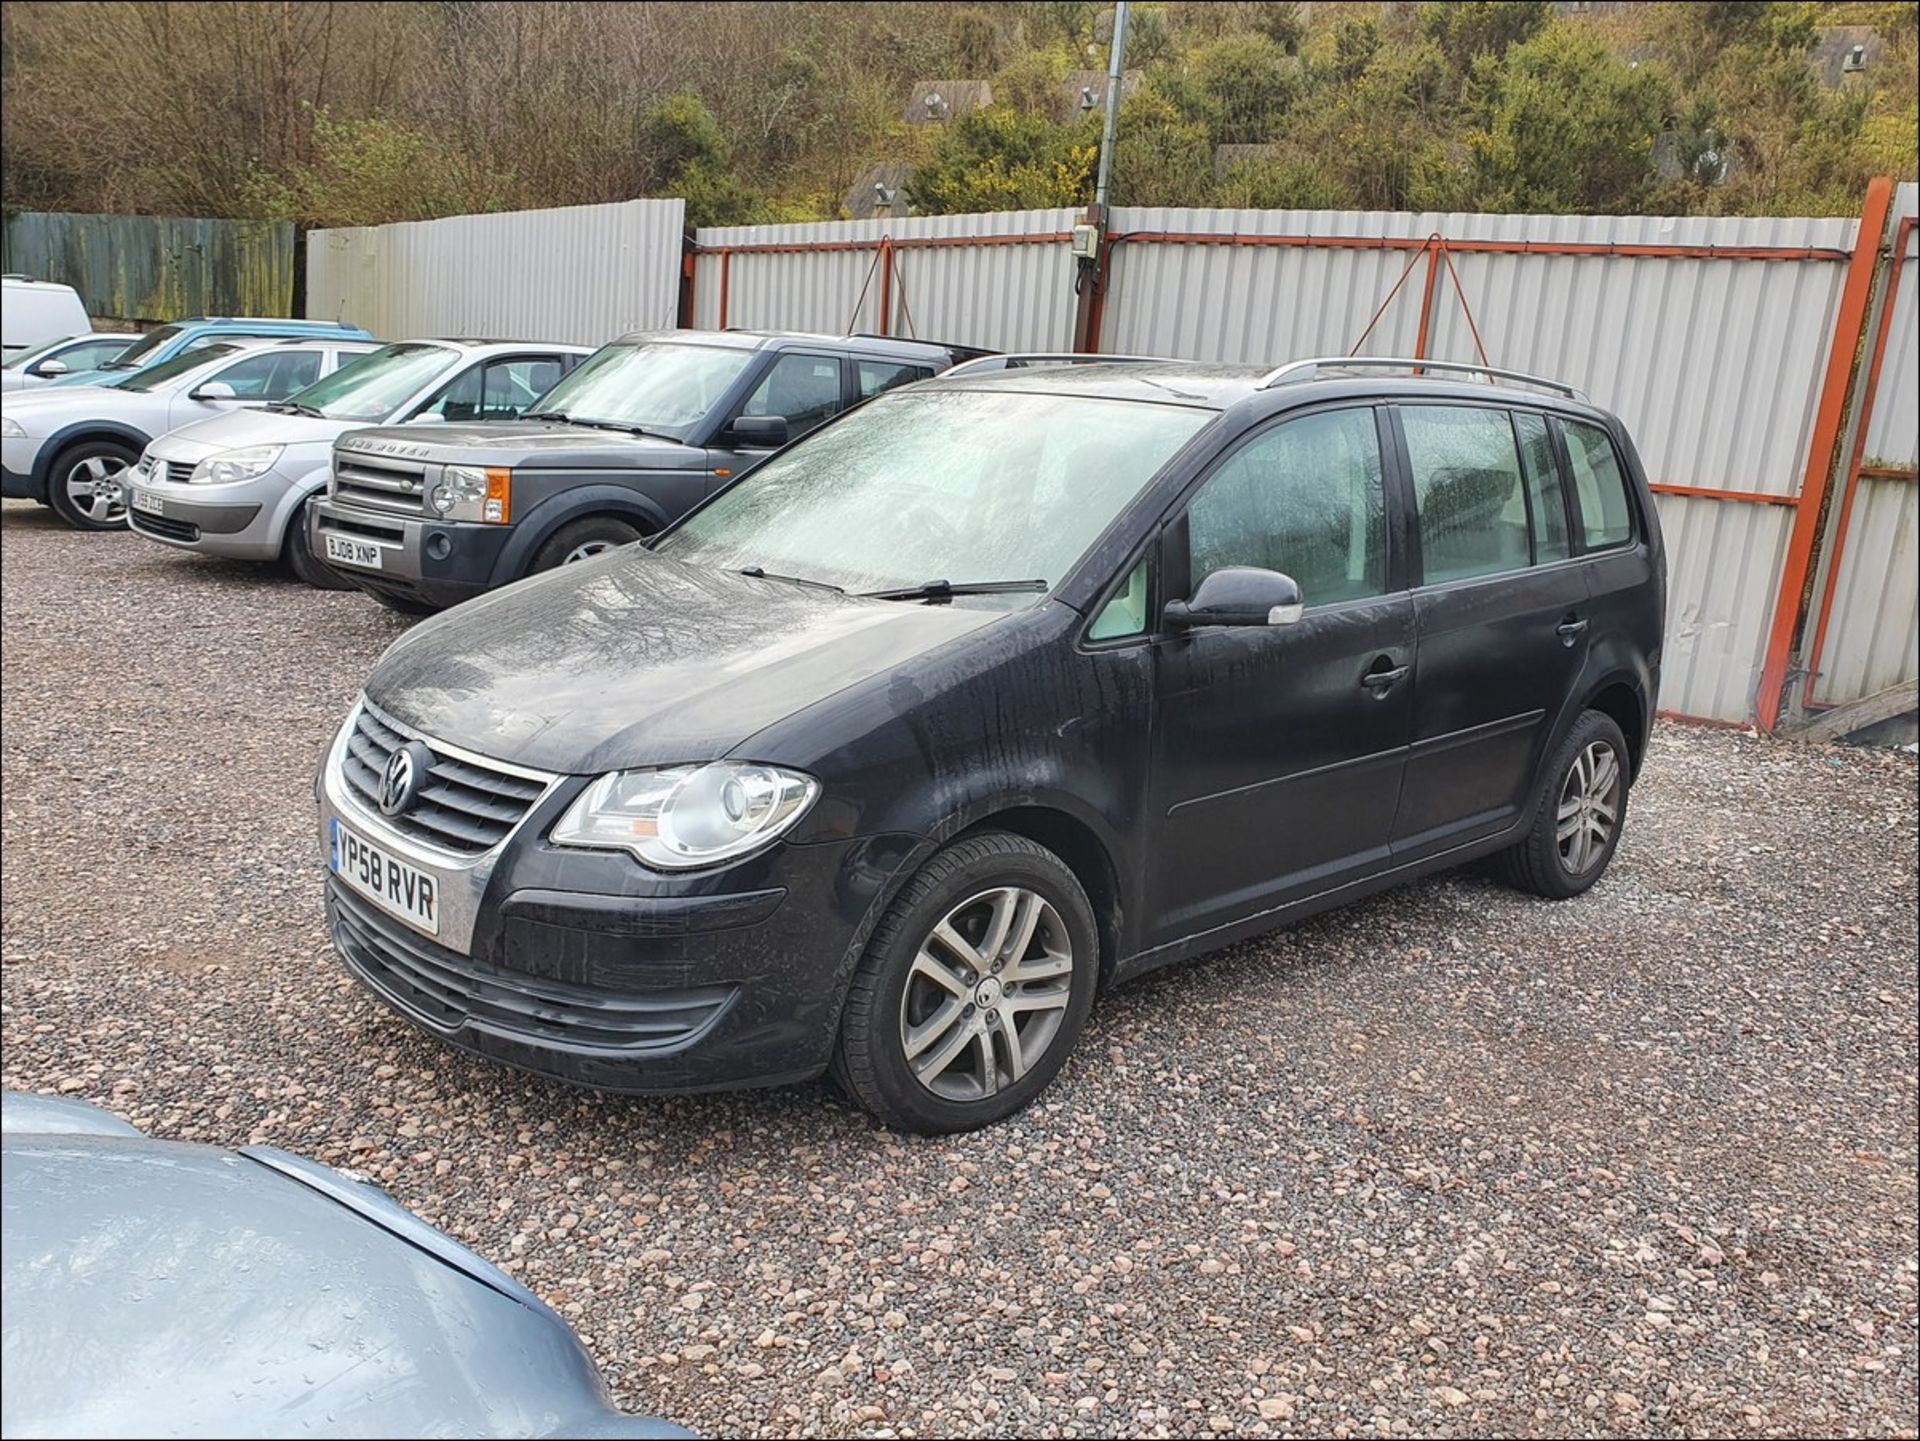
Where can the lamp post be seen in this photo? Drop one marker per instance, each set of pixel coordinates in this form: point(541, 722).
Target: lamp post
point(1087, 235)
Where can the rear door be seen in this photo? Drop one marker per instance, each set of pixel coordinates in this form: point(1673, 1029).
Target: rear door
point(1502, 615)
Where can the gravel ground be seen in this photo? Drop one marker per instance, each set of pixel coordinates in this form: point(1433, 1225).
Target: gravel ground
point(1449, 1162)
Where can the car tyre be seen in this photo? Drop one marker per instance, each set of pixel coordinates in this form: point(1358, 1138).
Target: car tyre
point(301, 560)
point(972, 990)
point(1578, 813)
point(75, 470)
point(582, 540)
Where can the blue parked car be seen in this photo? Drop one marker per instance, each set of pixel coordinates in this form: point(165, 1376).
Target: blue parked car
point(196, 331)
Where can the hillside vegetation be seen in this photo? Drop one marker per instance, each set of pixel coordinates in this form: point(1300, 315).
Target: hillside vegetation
point(359, 113)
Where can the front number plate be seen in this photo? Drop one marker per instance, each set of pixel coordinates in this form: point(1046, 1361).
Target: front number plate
point(386, 880)
point(146, 502)
point(363, 553)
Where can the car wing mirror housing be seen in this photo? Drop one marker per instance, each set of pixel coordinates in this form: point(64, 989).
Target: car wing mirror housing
point(767, 430)
point(215, 390)
point(50, 367)
point(1238, 595)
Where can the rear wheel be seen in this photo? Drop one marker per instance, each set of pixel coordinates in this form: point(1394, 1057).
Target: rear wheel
point(582, 540)
point(301, 560)
point(87, 484)
point(973, 989)
point(1577, 813)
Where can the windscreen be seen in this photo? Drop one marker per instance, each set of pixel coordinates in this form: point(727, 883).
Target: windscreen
point(665, 387)
point(373, 387)
point(955, 485)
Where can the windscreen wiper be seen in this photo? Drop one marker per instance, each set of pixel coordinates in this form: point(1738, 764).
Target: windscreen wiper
point(937, 591)
point(762, 573)
point(287, 407)
point(619, 425)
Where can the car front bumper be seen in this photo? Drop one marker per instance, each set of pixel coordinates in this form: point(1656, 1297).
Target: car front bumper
point(240, 521)
point(586, 967)
point(426, 561)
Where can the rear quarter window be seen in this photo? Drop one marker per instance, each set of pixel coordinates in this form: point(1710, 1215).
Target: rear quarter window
point(1599, 486)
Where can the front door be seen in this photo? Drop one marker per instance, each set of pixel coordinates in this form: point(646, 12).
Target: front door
point(805, 388)
point(1503, 619)
point(1279, 750)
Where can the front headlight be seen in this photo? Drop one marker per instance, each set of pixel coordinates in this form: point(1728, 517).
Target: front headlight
point(232, 465)
point(10, 427)
point(466, 492)
point(680, 818)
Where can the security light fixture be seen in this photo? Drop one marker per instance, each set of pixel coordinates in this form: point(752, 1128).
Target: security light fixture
point(1087, 98)
point(935, 105)
point(1856, 60)
point(882, 196)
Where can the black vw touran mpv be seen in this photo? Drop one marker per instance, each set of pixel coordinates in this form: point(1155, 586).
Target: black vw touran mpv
point(1002, 688)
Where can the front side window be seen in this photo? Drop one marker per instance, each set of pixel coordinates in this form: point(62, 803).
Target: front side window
point(1305, 498)
point(660, 386)
point(1599, 485)
point(955, 485)
point(1468, 491)
point(272, 376)
point(374, 387)
point(804, 389)
point(498, 390)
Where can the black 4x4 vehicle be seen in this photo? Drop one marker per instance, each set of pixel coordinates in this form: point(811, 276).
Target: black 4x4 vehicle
point(640, 431)
point(1002, 688)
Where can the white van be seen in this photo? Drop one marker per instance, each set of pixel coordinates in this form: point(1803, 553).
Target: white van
point(32, 311)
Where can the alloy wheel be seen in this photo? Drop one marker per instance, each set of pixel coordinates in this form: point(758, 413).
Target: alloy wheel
point(585, 550)
point(1589, 807)
point(96, 489)
point(986, 994)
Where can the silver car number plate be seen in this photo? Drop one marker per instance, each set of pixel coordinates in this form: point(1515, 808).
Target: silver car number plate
point(147, 503)
point(346, 550)
point(383, 878)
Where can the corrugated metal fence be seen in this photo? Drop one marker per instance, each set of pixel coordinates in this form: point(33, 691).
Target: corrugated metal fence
point(1000, 280)
point(580, 274)
point(156, 267)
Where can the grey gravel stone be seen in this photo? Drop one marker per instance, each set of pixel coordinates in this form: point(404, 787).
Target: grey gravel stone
point(1451, 1162)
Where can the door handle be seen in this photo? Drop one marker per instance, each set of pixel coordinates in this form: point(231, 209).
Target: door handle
point(1380, 681)
point(1571, 629)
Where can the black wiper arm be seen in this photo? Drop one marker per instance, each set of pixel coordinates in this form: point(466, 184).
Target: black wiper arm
point(619, 425)
point(761, 573)
point(287, 407)
point(545, 415)
point(939, 590)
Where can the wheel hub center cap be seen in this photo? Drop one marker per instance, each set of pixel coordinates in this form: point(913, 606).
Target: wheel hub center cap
point(987, 996)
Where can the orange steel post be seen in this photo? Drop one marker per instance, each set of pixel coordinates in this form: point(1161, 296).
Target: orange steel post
point(1847, 331)
point(726, 267)
point(1855, 466)
point(1436, 245)
point(886, 285)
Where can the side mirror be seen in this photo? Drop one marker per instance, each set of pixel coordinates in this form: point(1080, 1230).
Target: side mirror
point(215, 390)
point(50, 368)
point(426, 417)
point(1238, 595)
point(767, 430)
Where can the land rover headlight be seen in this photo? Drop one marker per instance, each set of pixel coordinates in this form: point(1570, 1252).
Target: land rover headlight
point(466, 492)
point(229, 466)
point(680, 818)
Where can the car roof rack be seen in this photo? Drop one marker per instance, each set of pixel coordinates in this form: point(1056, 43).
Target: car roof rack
point(964, 352)
point(1020, 359)
point(1296, 370)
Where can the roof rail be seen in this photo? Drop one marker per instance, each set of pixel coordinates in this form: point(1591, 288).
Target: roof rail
point(1309, 369)
point(965, 352)
point(1019, 360)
